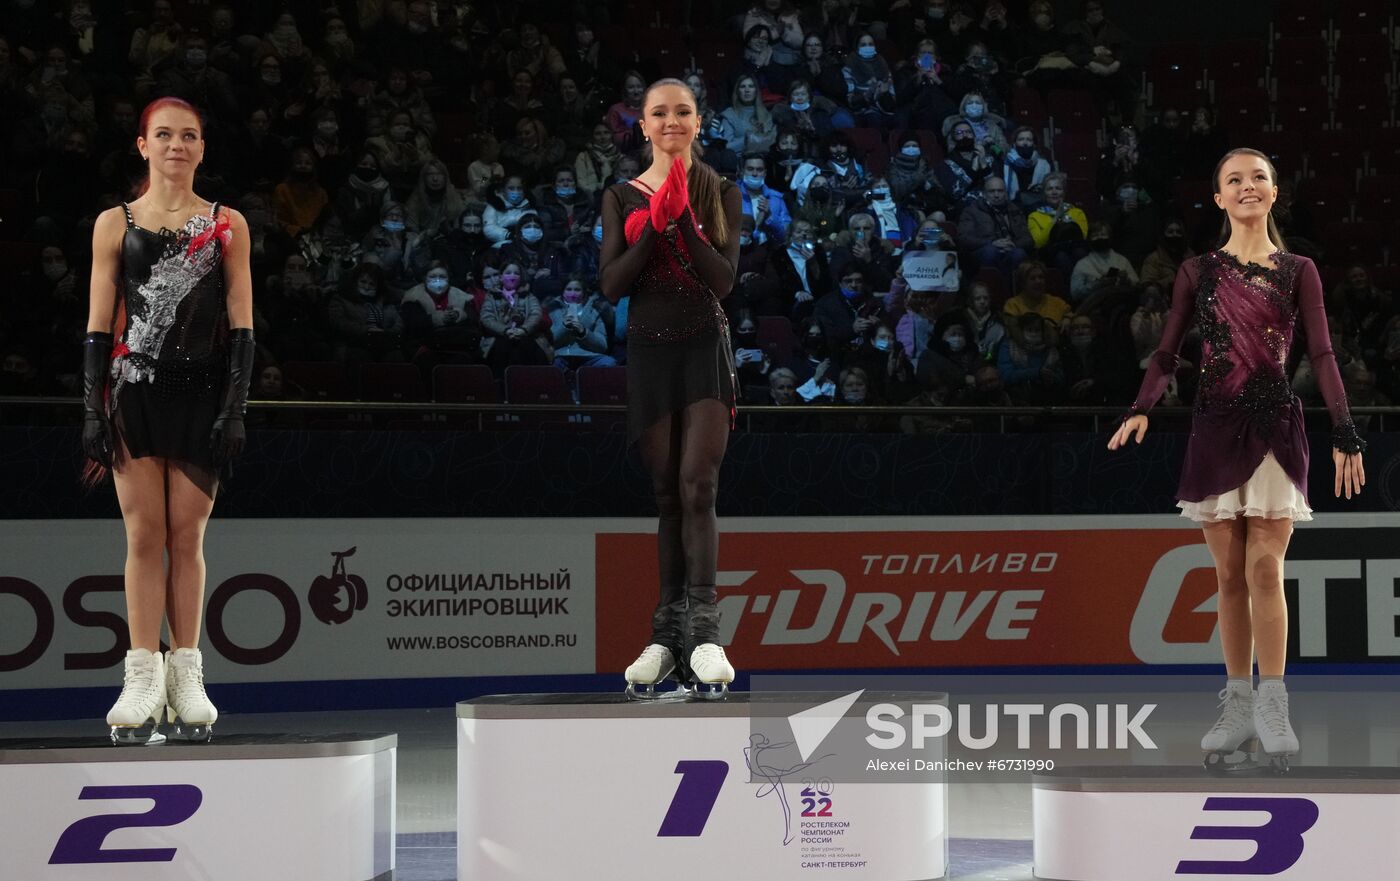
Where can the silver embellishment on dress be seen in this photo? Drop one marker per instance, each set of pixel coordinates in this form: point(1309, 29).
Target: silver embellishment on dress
point(172, 278)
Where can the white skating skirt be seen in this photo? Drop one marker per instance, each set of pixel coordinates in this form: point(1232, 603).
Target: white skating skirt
point(1268, 493)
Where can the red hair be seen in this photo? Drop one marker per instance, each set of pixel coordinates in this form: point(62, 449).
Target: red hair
point(145, 124)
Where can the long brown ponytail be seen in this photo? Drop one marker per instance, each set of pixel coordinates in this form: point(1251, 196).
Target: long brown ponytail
point(1274, 235)
point(704, 182)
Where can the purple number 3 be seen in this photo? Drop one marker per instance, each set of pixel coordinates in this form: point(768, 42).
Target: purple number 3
point(82, 841)
point(1280, 841)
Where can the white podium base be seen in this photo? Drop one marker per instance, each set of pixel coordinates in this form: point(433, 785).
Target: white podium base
point(594, 786)
point(1110, 824)
point(242, 806)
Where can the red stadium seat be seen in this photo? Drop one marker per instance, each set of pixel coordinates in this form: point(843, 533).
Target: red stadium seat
point(1364, 58)
point(465, 384)
point(1028, 108)
point(1354, 241)
point(1304, 109)
point(996, 284)
point(1174, 73)
point(1384, 150)
point(18, 257)
point(1244, 114)
point(716, 60)
point(1362, 107)
point(870, 150)
point(1378, 197)
point(391, 382)
point(1334, 154)
point(12, 221)
point(1077, 154)
point(1298, 19)
point(320, 380)
point(1329, 197)
point(602, 385)
point(776, 337)
point(1355, 17)
point(536, 384)
point(1237, 64)
point(1073, 110)
point(1299, 61)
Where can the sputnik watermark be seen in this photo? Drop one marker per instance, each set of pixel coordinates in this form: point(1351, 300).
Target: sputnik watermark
point(1109, 726)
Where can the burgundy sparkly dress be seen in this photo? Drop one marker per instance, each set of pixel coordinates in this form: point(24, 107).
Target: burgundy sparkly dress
point(1245, 407)
point(171, 359)
point(678, 349)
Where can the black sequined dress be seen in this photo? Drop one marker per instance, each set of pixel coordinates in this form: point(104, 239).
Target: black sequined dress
point(171, 359)
point(678, 349)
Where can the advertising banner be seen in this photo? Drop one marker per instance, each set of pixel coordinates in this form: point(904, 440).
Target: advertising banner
point(307, 600)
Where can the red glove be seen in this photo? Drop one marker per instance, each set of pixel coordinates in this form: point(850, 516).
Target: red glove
point(672, 198)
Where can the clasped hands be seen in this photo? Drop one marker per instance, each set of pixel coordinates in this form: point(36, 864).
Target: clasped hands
point(672, 198)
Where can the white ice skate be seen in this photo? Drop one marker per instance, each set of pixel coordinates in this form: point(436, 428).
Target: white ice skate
point(187, 706)
point(653, 666)
point(135, 717)
point(711, 671)
point(1276, 738)
point(1229, 740)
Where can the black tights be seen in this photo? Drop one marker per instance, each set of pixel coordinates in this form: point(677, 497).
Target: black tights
point(682, 452)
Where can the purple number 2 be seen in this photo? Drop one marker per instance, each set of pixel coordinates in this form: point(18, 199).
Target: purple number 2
point(695, 797)
point(82, 841)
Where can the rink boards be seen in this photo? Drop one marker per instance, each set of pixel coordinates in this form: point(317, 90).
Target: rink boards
point(592, 786)
point(1151, 824)
point(239, 807)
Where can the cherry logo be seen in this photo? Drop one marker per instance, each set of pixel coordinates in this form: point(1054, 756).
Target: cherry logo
point(335, 598)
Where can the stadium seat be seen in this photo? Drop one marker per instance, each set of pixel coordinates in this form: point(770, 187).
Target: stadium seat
point(1329, 197)
point(391, 382)
point(1174, 72)
point(1304, 109)
point(465, 384)
point(12, 224)
point(1028, 108)
point(320, 380)
point(1299, 19)
point(1361, 107)
point(869, 144)
point(1378, 197)
point(536, 384)
point(18, 257)
point(1364, 59)
point(1244, 113)
point(1335, 153)
point(1298, 61)
point(1073, 110)
point(776, 337)
point(602, 385)
point(1353, 241)
point(1360, 17)
point(1236, 64)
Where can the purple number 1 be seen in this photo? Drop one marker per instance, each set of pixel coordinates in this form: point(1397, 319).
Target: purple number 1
point(82, 841)
point(695, 797)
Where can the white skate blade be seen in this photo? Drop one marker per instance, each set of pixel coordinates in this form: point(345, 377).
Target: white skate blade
point(137, 735)
point(711, 691)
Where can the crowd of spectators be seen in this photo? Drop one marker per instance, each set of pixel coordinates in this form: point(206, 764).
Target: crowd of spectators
point(422, 179)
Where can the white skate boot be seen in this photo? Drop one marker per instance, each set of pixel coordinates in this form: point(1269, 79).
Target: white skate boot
point(187, 706)
point(135, 717)
point(1234, 731)
point(1276, 738)
point(653, 666)
point(711, 671)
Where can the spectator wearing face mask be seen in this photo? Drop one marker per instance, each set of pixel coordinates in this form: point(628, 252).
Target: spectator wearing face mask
point(848, 315)
point(988, 129)
point(760, 201)
point(515, 325)
point(887, 366)
point(358, 203)
point(1161, 265)
point(364, 324)
point(810, 117)
point(815, 365)
point(861, 248)
point(951, 355)
point(543, 263)
point(854, 390)
point(581, 250)
point(893, 223)
point(299, 199)
point(1024, 169)
point(564, 209)
point(505, 207)
point(192, 79)
point(461, 248)
point(870, 88)
point(800, 272)
point(992, 231)
point(981, 72)
point(842, 172)
point(922, 83)
point(751, 363)
point(909, 174)
point(966, 164)
point(402, 151)
point(577, 329)
point(1134, 222)
point(400, 94)
point(1102, 270)
point(1031, 368)
point(594, 164)
point(393, 248)
point(1101, 48)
